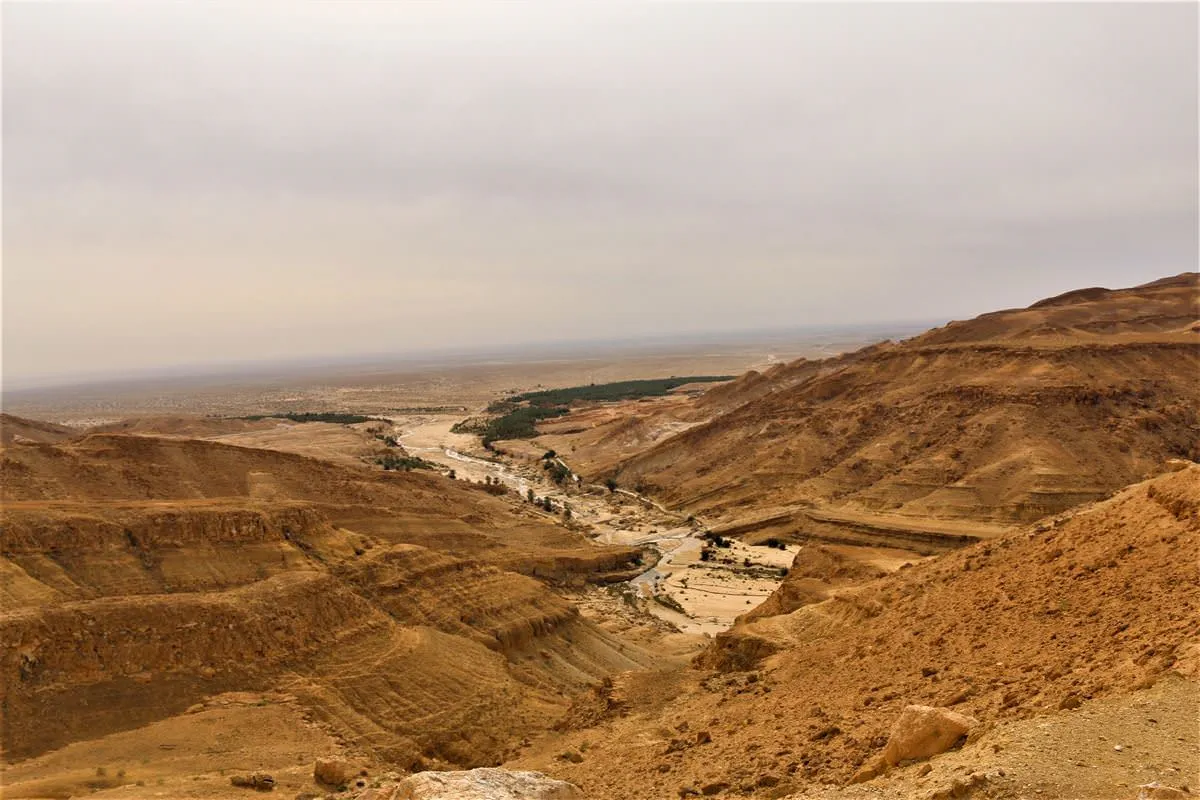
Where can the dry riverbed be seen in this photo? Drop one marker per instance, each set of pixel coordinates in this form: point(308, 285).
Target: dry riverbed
point(692, 595)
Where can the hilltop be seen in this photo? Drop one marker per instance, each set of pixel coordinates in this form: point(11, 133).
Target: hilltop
point(998, 420)
point(18, 429)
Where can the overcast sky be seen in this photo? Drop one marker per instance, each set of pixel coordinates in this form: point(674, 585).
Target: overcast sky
point(206, 183)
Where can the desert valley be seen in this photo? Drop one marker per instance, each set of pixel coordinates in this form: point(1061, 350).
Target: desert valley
point(953, 563)
point(600, 401)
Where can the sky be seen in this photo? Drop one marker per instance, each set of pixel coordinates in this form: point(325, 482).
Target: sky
point(216, 183)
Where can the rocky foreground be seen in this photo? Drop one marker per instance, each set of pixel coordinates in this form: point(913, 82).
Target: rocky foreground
point(1089, 613)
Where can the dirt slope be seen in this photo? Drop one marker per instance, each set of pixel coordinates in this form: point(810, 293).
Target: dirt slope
point(14, 429)
point(1000, 419)
point(141, 576)
point(1095, 605)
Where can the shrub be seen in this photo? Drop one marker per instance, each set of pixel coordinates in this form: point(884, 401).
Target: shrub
point(670, 602)
point(390, 461)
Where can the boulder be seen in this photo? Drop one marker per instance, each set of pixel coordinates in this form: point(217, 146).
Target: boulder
point(925, 731)
point(487, 783)
point(1187, 660)
point(259, 781)
point(1159, 791)
point(333, 771)
point(920, 733)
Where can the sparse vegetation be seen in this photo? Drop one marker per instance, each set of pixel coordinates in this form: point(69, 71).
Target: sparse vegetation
point(476, 425)
point(338, 417)
point(618, 390)
point(516, 417)
point(667, 601)
point(519, 423)
point(626, 592)
point(717, 540)
point(558, 473)
point(391, 461)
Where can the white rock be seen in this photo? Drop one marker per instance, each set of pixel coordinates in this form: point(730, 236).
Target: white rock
point(488, 783)
point(1159, 791)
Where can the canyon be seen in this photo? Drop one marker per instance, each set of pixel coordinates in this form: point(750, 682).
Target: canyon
point(734, 588)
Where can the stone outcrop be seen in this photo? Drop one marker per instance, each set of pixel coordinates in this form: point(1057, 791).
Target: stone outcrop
point(259, 781)
point(333, 771)
point(921, 732)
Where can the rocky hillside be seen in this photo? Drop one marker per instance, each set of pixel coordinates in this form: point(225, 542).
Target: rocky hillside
point(19, 429)
point(142, 576)
point(1001, 419)
point(1079, 610)
point(415, 507)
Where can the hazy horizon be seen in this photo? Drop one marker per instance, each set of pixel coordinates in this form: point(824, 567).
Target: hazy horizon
point(197, 184)
point(519, 352)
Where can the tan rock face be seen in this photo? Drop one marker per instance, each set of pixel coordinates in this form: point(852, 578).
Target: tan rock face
point(333, 771)
point(921, 732)
point(1187, 660)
